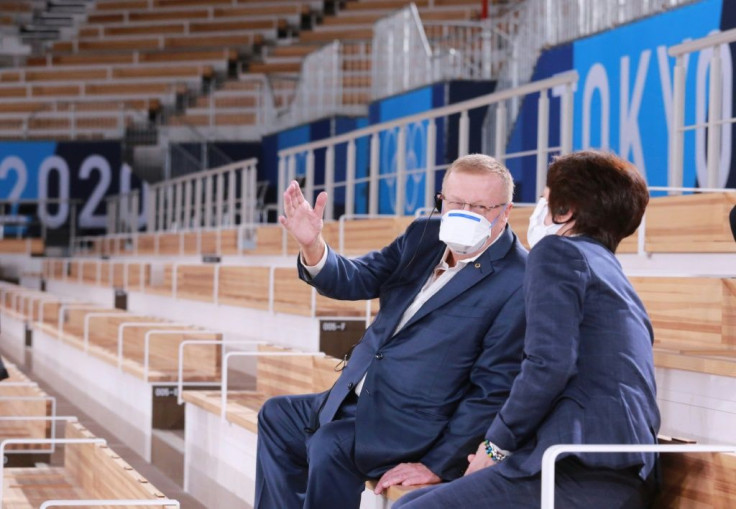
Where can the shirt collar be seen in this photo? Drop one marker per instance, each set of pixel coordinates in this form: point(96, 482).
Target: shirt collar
point(462, 263)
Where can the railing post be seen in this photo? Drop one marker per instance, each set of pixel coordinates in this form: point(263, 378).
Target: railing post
point(187, 222)
point(220, 197)
point(429, 175)
point(208, 201)
point(309, 177)
point(500, 141)
point(198, 202)
point(714, 117)
point(542, 141)
point(374, 174)
point(566, 111)
point(400, 170)
point(169, 206)
point(282, 183)
point(463, 138)
point(330, 182)
point(231, 188)
point(678, 120)
point(161, 225)
point(151, 209)
point(350, 179)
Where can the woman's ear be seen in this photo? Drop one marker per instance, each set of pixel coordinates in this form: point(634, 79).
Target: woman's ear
point(562, 215)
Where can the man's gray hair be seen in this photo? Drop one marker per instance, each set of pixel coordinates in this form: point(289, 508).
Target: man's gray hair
point(479, 164)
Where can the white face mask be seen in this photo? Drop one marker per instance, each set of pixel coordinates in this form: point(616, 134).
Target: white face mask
point(464, 231)
point(537, 229)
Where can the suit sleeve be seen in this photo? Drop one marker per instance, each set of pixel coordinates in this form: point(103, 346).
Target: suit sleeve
point(355, 279)
point(554, 285)
point(491, 378)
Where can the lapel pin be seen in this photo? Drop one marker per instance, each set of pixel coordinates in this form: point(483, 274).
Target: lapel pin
point(477, 265)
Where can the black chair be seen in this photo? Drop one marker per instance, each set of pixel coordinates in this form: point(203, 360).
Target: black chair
point(732, 217)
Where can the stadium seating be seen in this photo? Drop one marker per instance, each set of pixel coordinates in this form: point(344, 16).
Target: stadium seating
point(276, 375)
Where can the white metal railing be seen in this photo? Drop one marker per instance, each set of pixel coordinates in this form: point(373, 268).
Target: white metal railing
point(224, 196)
point(255, 96)
point(543, 23)
point(214, 342)
point(467, 49)
point(387, 152)
point(408, 53)
point(123, 211)
point(333, 80)
point(714, 112)
point(164, 502)
point(402, 56)
point(51, 418)
point(39, 441)
point(550, 457)
point(226, 358)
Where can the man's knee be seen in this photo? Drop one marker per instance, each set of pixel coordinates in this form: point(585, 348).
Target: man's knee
point(272, 412)
point(327, 447)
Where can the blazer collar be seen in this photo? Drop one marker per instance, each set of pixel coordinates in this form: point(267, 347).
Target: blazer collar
point(468, 277)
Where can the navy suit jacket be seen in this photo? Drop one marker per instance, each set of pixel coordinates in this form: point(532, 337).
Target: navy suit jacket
point(588, 374)
point(432, 387)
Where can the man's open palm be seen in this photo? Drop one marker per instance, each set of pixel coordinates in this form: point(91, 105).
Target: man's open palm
point(302, 221)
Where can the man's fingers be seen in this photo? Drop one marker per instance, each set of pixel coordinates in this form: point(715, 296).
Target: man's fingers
point(319, 206)
point(296, 192)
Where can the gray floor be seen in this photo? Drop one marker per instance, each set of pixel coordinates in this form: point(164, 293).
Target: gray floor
point(155, 476)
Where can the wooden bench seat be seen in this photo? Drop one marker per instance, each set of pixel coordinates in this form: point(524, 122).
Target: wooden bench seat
point(326, 36)
point(694, 320)
point(136, 57)
point(22, 246)
point(275, 376)
point(201, 362)
point(695, 223)
point(90, 471)
point(14, 404)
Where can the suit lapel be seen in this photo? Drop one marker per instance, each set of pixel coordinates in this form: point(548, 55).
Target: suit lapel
point(469, 276)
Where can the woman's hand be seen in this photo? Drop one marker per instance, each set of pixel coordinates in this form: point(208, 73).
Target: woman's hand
point(479, 460)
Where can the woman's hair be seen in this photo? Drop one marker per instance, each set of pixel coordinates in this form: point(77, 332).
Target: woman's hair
point(606, 195)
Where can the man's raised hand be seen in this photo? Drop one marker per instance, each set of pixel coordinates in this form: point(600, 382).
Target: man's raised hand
point(304, 223)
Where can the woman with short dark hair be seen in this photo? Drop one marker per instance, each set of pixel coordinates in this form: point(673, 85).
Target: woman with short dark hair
point(588, 374)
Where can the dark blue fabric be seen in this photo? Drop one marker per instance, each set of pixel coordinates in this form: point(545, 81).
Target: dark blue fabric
point(431, 389)
point(576, 487)
point(305, 469)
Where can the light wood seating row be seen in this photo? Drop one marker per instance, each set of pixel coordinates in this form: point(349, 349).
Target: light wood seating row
point(694, 320)
point(201, 362)
point(234, 22)
point(696, 223)
point(275, 376)
point(90, 471)
point(241, 286)
point(27, 246)
point(198, 12)
point(678, 224)
point(74, 90)
point(106, 73)
point(13, 403)
point(134, 57)
point(78, 105)
point(254, 5)
point(227, 39)
point(26, 304)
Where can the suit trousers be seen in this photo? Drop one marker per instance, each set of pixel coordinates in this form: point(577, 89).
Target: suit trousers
point(298, 468)
point(577, 486)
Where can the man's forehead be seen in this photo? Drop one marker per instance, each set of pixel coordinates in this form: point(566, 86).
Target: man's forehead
point(473, 183)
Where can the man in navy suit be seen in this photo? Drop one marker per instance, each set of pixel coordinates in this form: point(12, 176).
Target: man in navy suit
point(588, 372)
point(433, 368)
